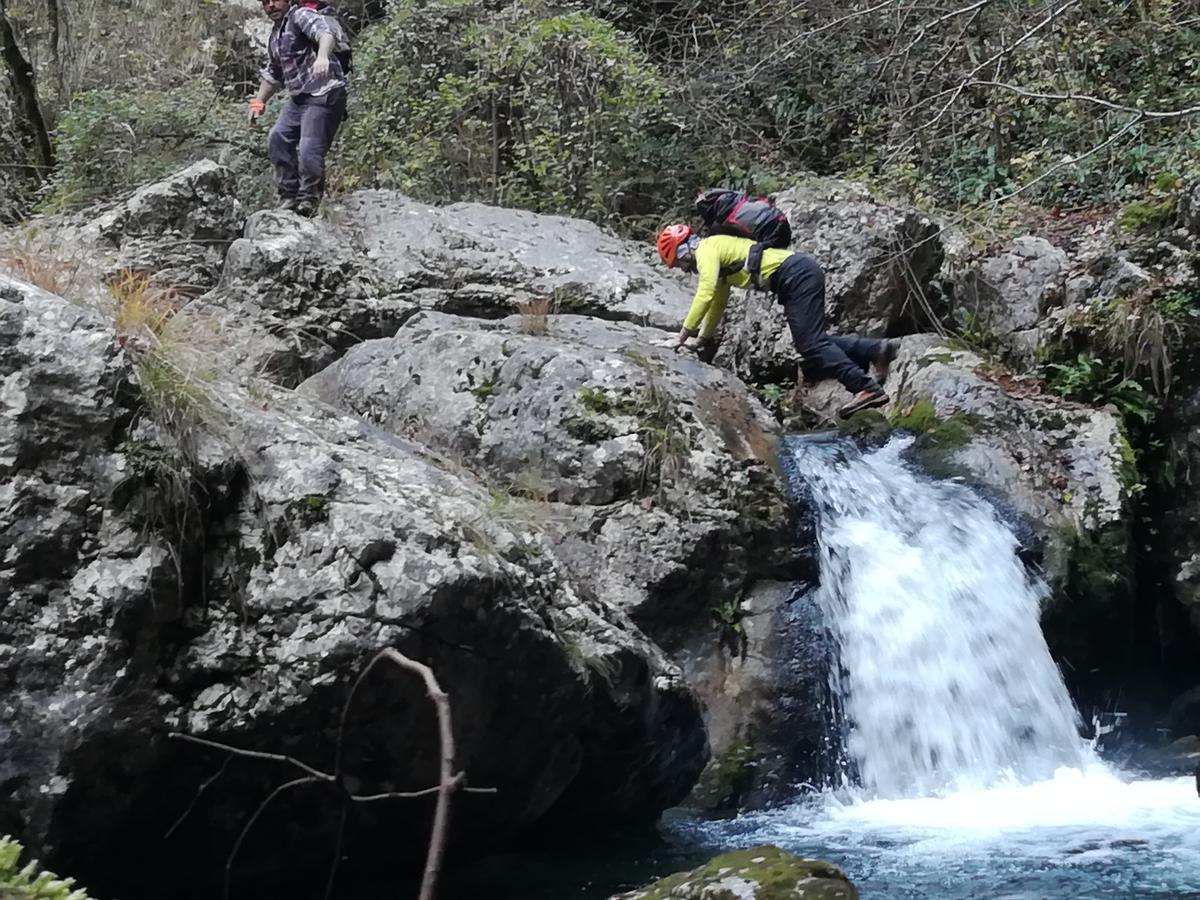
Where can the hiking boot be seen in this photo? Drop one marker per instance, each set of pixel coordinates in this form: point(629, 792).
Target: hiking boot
point(306, 207)
point(288, 203)
point(871, 398)
point(882, 363)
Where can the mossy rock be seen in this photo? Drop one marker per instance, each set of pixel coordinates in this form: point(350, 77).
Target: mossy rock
point(760, 873)
point(726, 777)
point(1146, 216)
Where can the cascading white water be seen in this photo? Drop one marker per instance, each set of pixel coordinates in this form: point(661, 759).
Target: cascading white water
point(945, 678)
point(972, 779)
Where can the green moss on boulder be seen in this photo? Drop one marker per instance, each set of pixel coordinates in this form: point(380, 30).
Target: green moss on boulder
point(760, 873)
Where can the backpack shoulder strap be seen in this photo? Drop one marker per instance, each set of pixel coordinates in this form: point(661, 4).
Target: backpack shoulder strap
point(754, 264)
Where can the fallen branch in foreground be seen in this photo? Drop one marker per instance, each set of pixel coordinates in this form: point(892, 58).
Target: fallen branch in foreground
point(449, 781)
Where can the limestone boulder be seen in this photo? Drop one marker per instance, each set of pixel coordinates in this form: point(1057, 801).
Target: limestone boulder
point(652, 469)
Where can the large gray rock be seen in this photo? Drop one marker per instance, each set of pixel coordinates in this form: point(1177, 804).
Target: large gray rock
point(297, 292)
point(311, 288)
point(473, 259)
point(1006, 296)
point(176, 229)
point(231, 579)
point(879, 264)
point(654, 470)
point(759, 873)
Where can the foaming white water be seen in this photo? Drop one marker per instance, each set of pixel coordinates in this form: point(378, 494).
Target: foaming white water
point(946, 681)
point(1072, 799)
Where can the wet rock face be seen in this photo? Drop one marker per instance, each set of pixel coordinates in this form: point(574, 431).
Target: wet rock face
point(1181, 536)
point(232, 588)
point(760, 873)
point(652, 469)
point(879, 264)
point(762, 672)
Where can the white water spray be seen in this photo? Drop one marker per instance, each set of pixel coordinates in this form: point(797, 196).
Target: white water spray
point(946, 681)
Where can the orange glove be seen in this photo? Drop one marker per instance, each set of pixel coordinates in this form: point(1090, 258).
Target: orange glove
point(257, 108)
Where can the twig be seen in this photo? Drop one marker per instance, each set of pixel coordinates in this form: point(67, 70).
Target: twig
point(449, 781)
point(209, 782)
point(252, 754)
point(1098, 101)
point(237, 845)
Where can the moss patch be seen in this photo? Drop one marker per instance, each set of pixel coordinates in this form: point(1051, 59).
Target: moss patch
point(725, 779)
point(589, 429)
point(938, 432)
point(1146, 215)
point(770, 873)
point(599, 402)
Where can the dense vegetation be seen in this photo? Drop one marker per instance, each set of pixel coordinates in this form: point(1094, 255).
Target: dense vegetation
point(617, 110)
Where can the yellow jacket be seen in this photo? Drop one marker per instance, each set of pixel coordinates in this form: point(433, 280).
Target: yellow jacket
point(714, 257)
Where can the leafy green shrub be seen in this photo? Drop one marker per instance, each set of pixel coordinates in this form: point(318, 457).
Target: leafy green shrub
point(1090, 379)
point(112, 140)
point(522, 105)
point(19, 882)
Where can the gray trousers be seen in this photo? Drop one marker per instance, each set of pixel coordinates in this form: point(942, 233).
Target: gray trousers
point(300, 139)
point(800, 286)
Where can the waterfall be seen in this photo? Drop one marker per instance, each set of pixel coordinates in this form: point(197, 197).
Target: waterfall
point(945, 680)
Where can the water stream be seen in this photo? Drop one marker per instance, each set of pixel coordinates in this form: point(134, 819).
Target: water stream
point(965, 774)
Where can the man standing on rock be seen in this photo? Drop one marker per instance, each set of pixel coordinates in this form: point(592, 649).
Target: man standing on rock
point(309, 55)
point(798, 283)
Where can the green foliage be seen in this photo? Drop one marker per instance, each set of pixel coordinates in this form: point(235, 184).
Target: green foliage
point(26, 882)
point(523, 105)
point(1090, 379)
point(1146, 215)
point(113, 139)
point(975, 334)
point(728, 614)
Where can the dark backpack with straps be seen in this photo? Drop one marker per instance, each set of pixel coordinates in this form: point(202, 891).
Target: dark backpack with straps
point(341, 49)
point(726, 211)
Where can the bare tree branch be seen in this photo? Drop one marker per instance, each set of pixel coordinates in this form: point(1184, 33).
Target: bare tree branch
point(450, 780)
point(1098, 101)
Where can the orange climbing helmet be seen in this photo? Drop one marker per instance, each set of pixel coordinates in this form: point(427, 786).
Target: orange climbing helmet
point(669, 240)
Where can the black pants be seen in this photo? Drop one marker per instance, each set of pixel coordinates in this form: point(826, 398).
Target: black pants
point(800, 286)
point(301, 138)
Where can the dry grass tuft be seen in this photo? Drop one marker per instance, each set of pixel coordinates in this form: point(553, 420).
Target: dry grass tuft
point(25, 261)
point(140, 307)
point(535, 315)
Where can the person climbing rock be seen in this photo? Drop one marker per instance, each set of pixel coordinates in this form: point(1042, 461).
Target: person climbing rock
point(724, 261)
point(309, 56)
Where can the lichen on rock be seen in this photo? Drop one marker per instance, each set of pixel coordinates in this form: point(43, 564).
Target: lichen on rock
point(759, 873)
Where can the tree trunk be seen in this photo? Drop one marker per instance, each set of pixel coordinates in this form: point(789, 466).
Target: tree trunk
point(29, 110)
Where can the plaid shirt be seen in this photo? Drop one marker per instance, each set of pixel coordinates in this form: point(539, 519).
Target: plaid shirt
point(293, 50)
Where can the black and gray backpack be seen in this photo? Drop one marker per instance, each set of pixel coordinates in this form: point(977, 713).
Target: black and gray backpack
point(726, 211)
